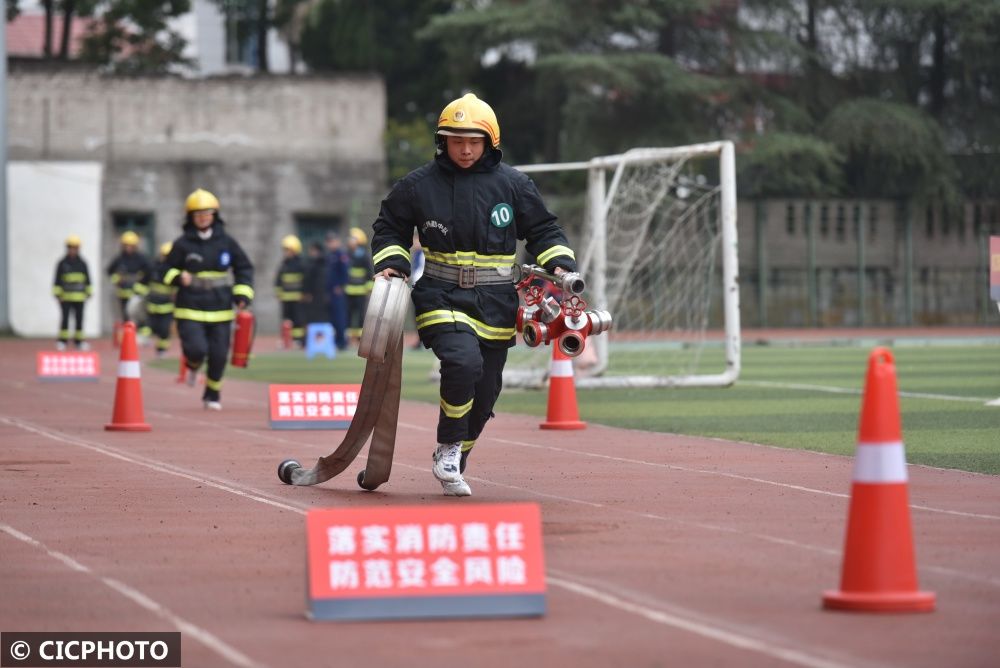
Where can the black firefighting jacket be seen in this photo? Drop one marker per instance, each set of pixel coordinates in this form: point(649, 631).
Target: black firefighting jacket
point(288, 284)
point(72, 282)
point(470, 217)
point(128, 274)
point(160, 300)
point(222, 274)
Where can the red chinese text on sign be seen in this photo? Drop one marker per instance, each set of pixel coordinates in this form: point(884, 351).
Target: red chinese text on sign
point(306, 406)
point(425, 551)
point(67, 365)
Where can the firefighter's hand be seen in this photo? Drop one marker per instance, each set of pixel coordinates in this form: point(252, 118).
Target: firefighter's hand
point(390, 273)
point(186, 278)
point(241, 303)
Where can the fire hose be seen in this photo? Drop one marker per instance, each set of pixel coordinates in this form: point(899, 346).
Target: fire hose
point(541, 320)
point(378, 403)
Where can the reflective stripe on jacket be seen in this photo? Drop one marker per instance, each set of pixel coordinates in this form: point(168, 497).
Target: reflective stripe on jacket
point(467, 217)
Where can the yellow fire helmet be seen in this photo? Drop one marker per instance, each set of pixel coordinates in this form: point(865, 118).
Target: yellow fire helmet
point(129, 238)
point(201, 200)
point(73, 240)
point(292, 243)
point(359, 235)
point(469, 115)
point(165, 248)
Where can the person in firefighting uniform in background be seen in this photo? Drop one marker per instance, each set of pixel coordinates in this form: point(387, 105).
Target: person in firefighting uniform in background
point(470, 209)
point(314, 298)
point(288, 286)
point(336, 279)
point(72, 288)
point(128, 272)
point(359, 281)
point(160, 302)
point(212, 274)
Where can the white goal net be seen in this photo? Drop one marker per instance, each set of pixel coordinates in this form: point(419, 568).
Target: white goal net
point(658, 249)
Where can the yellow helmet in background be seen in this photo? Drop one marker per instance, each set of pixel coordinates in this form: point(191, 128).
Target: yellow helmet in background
point(292, 243)
point(165, 248)
point(469, 115)
point(130, 238)
point(73, 240)
point(359, 235)
point(201, 200)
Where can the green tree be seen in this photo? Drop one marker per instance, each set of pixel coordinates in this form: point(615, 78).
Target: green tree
point(791, 165)
point(596, 77)
point(891, 150)
point(132, 36)
point(380, 36)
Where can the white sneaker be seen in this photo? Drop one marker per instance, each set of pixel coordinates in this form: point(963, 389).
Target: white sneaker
point(212, 405)
point(447, 459)
point(460, 488)
point(83, 345)
point(192, 377)
point(60, 345)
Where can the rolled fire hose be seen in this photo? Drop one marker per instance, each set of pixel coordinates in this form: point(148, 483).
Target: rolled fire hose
point(378, 404)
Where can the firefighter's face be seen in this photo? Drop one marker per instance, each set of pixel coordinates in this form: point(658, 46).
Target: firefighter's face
point(465, 151)
point(203, 218)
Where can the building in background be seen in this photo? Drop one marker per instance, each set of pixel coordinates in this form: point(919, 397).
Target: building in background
point(285, 155)
point(217, 42)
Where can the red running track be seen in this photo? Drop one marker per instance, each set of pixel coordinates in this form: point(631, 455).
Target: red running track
point(661, 550)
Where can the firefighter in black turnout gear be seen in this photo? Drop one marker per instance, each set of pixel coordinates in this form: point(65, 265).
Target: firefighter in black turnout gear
point(359, 281)
point(72, 288)
point(212, 274)
point(289, 285)
point(469, 209)
point(160, 302)
point(128, 272)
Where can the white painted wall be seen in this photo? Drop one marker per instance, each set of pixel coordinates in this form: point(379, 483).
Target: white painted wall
point(47, 202)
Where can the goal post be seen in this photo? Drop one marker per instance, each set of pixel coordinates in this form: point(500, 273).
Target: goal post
point(659, 252)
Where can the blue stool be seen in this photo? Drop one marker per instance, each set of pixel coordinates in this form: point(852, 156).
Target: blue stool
point(319, 339)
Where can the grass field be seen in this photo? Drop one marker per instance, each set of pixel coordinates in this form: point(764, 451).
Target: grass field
point(790, 396)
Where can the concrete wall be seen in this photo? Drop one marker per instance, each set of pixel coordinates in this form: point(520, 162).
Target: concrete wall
point(269, 148)
point(47, 202)
point(83, 115)
point(945, 281)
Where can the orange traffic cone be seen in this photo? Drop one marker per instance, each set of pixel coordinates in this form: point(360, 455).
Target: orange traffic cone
point(128, 414)
point(182, 371)
point(879, 573)
point(562, 411)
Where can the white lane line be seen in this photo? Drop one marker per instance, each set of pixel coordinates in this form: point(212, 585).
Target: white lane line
point(230, 654)
point(161, 467)
point(689, 623)
point(724, 474)
point(279, 502)
point(557, 578)
point(581, 589)
point(640, 462)
point(850, 390)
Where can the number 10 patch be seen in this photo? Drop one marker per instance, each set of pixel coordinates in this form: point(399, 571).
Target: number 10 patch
point(502, 215)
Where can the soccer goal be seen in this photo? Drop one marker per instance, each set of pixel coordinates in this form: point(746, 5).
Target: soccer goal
point(658, 249)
